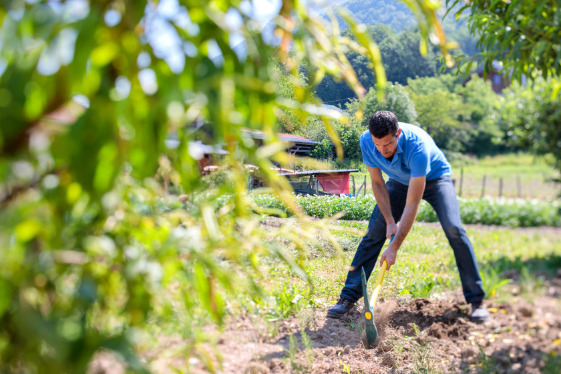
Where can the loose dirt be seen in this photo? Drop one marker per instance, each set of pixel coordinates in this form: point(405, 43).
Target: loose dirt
point(431, 335)
point(422, 335)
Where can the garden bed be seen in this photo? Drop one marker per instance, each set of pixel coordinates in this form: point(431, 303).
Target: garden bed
point(421, 335)
point(504, 212)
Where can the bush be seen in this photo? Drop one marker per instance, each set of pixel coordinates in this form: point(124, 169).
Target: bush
point(397, 101)
point(350, 141)
point(324, 150)
point(508, 212)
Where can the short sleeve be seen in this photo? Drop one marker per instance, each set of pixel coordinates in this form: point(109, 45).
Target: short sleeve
point(419, 162)
point(367, 156)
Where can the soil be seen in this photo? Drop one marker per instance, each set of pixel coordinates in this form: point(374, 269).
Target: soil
point(432, 335)
point(422, 335)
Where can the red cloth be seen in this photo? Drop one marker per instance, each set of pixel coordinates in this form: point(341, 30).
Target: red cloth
point(334, 183)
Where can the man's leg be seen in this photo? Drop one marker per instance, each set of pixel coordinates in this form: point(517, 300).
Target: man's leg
point(368, 250)
point(441, 195)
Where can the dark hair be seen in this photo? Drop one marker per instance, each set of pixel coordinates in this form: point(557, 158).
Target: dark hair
point(383, 123)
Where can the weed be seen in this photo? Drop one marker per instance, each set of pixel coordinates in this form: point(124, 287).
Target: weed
point(529, 284)
point(492, 281)
point(422, 351)
point(353, 325)
point(398, 345)
point(307, 319)
point(287, 303)
point(297, 363)
point(421, 288)
point(552, 363)
point(308, 352)
point(292, 353)
point(487, 364)
point(423, 363)
point(346, 368)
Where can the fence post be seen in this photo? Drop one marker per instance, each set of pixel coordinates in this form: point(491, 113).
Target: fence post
point(354, 190)
point(519, 186)
point(365, 186)
point(501, 187)
point(249, 182)
point(461, 181)
point(317, 187)
point(483, 186)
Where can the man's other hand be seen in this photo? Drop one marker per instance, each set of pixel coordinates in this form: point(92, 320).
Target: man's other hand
point(389, 256)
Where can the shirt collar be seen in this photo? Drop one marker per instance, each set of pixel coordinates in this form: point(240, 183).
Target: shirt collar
point(399, 141)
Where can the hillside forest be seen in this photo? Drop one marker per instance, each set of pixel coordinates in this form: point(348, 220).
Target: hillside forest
point(459, 108)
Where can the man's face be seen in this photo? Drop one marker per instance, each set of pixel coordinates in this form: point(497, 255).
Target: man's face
point(387, 145)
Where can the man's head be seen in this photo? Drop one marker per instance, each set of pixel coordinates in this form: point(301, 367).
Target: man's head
point(385, 131)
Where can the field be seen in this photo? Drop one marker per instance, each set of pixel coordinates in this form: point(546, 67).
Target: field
point(421, 315)
point(523, 175)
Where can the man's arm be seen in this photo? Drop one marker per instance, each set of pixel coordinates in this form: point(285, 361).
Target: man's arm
point(414, 196)
point(382, 199)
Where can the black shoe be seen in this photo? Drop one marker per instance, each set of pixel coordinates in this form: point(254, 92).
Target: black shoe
point(479, 312)
point(340, 309)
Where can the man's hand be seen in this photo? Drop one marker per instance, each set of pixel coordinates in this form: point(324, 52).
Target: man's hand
point(389, 255)
point(391, 229)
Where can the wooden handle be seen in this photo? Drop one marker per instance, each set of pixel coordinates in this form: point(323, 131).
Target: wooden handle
point(380, 279)
point(378, 284)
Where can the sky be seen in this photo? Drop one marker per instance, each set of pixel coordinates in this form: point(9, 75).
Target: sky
point(160, 34)
point(167, 45)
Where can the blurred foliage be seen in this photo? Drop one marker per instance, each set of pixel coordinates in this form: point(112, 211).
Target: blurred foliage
point(522, 35)
point(464, 119)
point(89, 236)
point(530, 116)
point(396, 100)
point(324, 150)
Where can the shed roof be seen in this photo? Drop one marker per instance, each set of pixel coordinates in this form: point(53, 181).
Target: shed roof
point(316, 172)
point(257, 134)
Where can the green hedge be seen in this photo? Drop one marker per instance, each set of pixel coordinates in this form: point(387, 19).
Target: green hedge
point(508, 212)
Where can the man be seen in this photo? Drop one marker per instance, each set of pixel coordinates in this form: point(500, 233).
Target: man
point(418, 170)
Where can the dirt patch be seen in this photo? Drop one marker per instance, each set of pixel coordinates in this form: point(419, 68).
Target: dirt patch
point(423, 335)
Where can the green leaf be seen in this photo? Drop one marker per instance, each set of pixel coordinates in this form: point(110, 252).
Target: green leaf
point(5, 296)
point(104, 54)
point(27, 230)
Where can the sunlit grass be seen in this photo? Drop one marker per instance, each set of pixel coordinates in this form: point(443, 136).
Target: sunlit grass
point(425, 268)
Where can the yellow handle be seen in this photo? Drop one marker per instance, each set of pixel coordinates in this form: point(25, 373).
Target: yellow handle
point(378, 284)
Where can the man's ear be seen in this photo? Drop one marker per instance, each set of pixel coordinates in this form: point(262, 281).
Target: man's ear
point(398, 132)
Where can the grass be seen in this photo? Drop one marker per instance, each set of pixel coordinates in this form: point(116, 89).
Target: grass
point(487, 364)
point(425, 266)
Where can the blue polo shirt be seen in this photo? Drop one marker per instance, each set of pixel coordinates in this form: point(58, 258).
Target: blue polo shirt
point(417, 156)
